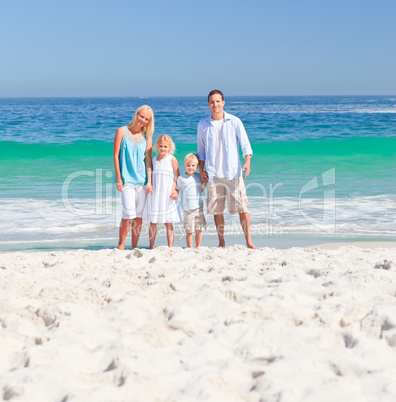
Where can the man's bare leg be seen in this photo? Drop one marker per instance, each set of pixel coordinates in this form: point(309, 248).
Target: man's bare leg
point(219, 222)
point(136, 229)
point(244, 218)
point(125, 226)
point(198, 238)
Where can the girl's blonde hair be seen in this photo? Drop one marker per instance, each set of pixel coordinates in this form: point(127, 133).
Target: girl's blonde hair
point(191, 157)
point(165, 137)
point(148, 130)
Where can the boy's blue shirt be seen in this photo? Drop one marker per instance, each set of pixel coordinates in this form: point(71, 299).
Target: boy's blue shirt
point(190, 191)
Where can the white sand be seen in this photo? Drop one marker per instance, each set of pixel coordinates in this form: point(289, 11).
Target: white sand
point(303, 324)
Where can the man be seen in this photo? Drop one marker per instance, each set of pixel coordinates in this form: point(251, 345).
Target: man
point(219, 137)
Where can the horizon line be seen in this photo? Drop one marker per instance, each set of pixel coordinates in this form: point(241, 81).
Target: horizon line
point(185, 96)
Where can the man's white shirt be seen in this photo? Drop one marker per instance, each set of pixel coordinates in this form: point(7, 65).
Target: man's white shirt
point(210, 144)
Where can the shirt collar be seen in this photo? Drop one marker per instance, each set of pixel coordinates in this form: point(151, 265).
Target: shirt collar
point(227, 116)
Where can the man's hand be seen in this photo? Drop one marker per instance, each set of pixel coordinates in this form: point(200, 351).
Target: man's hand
point(246, 166)
point(204, 176)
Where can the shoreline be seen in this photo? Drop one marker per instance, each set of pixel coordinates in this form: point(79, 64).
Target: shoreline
point(280, 243)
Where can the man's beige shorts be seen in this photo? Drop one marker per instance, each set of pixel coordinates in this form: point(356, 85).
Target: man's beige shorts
point(194, 220)
point(234, 190)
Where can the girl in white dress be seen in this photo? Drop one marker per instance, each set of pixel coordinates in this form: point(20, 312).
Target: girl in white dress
point(161, 204)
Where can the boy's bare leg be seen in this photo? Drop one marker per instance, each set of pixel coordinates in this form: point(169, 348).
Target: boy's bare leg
point(198, 238)
point(170, 234)
point(125, 226)
point(219, 222)
point(136, 229)
point(152, 234)
point(189, 239)
point(244, 218)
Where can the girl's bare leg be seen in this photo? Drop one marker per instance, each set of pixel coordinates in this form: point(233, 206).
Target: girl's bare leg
point(136, 229)
point(125, 226)
point(189, 239)
point(152, 234)
point(198, 238)
point(170, 234)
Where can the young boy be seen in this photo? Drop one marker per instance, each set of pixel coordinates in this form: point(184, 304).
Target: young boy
point(191, 187)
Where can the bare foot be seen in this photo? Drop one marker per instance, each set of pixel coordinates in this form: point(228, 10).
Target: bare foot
point(251, 245)
point(120, 247)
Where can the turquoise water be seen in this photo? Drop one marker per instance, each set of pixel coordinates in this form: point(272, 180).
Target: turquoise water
point(322, 166)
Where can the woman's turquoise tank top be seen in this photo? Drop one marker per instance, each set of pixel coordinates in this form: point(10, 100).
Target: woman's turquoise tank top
point(132, 160)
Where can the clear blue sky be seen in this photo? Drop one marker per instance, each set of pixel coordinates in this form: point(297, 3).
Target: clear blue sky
point(172, 48)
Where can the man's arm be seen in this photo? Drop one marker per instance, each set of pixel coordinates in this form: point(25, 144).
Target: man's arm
point(204, 175)
point(245, 145)
point(201, 153)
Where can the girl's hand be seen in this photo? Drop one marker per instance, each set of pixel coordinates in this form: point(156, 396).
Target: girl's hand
point(173, 194)
point(120, 186)
point(149, 188)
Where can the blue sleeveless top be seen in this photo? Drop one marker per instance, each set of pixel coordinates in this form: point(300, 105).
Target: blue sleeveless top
point(132, 160)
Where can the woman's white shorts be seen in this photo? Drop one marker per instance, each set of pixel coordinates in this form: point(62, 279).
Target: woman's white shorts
point(133, 201)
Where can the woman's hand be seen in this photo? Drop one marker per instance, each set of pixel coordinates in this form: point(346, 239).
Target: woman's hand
point(120, 186)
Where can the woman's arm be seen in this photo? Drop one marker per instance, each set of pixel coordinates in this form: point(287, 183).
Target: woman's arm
point(149, 165)
point(116, 158)
point(175, 167)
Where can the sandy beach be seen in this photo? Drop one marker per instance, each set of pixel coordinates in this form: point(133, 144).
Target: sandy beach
point(302, 324)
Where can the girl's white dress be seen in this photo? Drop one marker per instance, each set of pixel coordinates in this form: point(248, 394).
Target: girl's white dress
point(160, 207)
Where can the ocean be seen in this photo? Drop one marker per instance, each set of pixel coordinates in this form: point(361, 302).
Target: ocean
point(323, 168)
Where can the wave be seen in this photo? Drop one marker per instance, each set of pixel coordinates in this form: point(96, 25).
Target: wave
point(382, 146)
point(89, 221)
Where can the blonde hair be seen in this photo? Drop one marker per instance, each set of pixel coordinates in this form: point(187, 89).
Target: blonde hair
point(165, 137)
point(191, 156)
point(148, 129)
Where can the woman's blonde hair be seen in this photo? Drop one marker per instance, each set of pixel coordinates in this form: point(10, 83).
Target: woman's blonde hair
point(165, 137)
point(148, 129)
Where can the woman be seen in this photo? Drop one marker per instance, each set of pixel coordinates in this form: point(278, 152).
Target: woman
point(132, 162)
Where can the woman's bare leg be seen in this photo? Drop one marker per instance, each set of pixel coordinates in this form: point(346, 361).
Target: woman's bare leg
point(125, 226)
point(136, 229)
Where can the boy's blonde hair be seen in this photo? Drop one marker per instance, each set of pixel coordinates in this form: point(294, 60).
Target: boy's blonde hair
point(165, 137)
point(191, 157)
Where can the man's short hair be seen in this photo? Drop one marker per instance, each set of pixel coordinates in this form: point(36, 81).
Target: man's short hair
point(191, 157)
point(216, 92)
